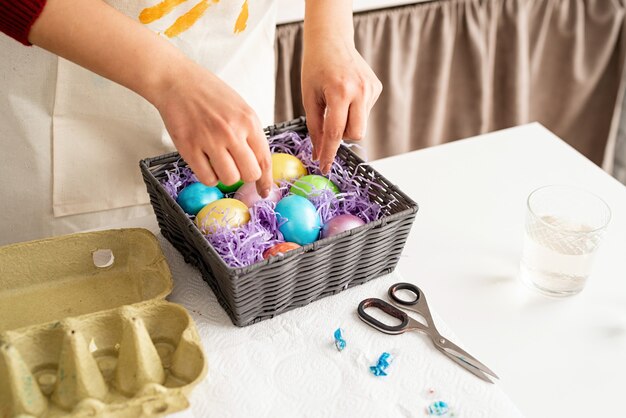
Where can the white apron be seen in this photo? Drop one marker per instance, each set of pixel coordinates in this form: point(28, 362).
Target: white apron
point(71, 140)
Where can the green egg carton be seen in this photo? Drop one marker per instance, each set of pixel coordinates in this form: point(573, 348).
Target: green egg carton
point(85, 330)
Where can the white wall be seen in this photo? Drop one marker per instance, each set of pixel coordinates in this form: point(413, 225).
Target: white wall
point(293, 10)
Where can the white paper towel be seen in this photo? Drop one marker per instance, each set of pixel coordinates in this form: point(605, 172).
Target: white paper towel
point(289, 367)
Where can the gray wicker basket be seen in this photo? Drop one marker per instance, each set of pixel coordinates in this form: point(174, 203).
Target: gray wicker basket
point(270, 287)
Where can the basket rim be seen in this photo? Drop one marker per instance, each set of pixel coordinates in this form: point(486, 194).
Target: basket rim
point(413, 208)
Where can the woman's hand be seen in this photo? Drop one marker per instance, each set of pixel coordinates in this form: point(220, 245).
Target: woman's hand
point(338, 87)
point(214, 130)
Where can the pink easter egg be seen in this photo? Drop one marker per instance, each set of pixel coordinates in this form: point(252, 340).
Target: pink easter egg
point(247, 194)
point(339, 224)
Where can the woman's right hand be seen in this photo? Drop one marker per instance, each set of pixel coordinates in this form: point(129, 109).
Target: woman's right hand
point(214, 130)
point(212, 127)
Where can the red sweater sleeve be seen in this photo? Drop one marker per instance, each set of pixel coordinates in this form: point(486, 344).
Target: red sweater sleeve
point(17, 17)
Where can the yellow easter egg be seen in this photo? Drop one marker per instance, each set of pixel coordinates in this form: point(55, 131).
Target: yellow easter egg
point(287, 167)
point(222, 212)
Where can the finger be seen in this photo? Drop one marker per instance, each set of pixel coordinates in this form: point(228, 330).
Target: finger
point(201, 167)
point(357, 120)
point(373, 96)
point(224, 166)
point(246, 161)
point(260, 148)
point(315, 124)
point(378, 89)
point(334, 126)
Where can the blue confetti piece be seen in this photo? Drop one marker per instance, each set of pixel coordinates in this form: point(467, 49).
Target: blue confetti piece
point(376, 371)
point(438, 408)
point(384, 361)
point(340, 343)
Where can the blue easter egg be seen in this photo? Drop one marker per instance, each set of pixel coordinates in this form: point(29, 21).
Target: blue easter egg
point(196, 196)
point(300, 222)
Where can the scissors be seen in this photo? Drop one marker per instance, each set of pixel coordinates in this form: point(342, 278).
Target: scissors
point(419, 305)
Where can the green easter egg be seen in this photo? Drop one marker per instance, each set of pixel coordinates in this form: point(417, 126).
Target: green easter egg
point(229, 189)
point(306, 186)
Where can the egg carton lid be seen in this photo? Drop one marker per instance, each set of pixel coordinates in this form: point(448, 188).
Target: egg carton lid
point(55, 278)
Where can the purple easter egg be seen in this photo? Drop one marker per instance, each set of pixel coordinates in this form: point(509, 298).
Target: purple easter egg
point(339, 224)
point(247, 194)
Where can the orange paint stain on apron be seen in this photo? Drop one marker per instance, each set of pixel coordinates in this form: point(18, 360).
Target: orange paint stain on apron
point(150, 14)
point(188, 19)
point(242, 19)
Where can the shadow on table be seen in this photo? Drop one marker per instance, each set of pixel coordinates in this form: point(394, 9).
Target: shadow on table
point(191, 291)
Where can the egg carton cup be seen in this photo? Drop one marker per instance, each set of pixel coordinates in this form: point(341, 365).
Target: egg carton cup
point(137, 356)
point(126, 362)
point(325, 267)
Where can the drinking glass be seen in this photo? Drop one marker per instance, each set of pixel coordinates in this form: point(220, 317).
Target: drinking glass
point(564, 227)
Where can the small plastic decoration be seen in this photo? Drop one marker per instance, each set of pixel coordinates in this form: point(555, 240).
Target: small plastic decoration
point(340, 343)
point(383, 363)
point(438, 409)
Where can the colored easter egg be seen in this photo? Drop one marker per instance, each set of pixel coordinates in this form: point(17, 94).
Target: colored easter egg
point(248, 194)
point(310, 185)
point(223, 212)
point(286, 167)
point(281, 248)
point(196, 196)
point(339, 224)
point(300, 222)
point(229, 189)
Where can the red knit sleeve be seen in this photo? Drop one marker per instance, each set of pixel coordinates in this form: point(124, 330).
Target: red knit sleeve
point(17, 17)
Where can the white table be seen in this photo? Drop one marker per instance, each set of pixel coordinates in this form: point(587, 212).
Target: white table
point(555, 357)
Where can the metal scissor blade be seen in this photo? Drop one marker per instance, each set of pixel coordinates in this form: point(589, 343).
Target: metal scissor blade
point(454, 351)
point(470, 368)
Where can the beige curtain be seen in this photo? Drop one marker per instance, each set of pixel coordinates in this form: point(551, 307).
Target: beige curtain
point(457, 68)
point(618, 166)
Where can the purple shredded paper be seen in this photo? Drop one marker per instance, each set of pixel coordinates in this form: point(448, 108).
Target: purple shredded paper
point(245, 245)
point(177, 179)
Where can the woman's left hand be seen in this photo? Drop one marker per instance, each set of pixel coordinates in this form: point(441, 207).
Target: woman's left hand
point(338, 90)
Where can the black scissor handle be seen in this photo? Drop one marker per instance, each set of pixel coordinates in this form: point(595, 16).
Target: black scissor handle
point(386, 308)
point(405, 286)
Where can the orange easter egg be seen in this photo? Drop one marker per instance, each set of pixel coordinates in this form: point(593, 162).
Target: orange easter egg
point(281, 248)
